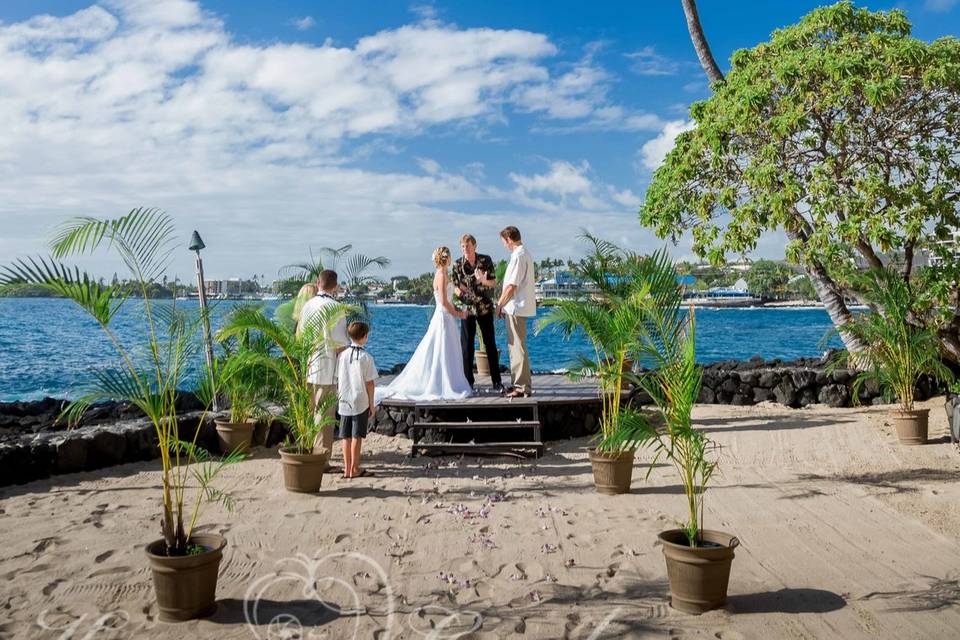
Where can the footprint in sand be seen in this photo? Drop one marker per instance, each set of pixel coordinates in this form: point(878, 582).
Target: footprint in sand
point(343, 537)
point(728, 635)
point(109, 572)
point(103, 556)
point(44, 543)
point(50, 588)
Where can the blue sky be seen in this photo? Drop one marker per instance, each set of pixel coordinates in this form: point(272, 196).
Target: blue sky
point(276, 127)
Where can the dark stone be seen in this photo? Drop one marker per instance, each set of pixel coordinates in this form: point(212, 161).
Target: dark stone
point(107, 448)
point(834, 395)
point(768, 379)
point(822, 378)
point(706, 396)
point(260, 432)
point(870, 389)
point(387, 428)
point(785, 393)
point(803, 378)
point(71, 453)
point(841, 376)
point(749, 379)
point(277, 433)
point(807, 397)
point(723, 396)
point(740, 399)
point(762, 395)
point(141, 443)
point(729, 386)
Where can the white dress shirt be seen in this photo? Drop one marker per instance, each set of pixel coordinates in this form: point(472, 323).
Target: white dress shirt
point(323, 367)
point(520, 273)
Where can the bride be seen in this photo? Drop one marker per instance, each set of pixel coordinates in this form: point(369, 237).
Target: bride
point(435, 371)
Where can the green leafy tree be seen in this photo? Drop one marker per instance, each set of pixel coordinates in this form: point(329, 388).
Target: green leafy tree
point(769, 278)
point(844, 132)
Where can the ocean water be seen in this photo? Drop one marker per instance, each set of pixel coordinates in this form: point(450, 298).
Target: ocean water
point(49, 347)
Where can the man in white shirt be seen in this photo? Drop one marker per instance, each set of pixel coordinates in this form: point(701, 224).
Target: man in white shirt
point(517, 303)
point(323, 367)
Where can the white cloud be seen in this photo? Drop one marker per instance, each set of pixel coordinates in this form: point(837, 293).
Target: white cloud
point(429, 166)
point(647, 62)
point(653, 152)
point(303, 24)
point(153, 102)
point(939, 6)
point(568, 187)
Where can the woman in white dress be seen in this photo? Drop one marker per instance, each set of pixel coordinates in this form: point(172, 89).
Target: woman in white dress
point(435, 371)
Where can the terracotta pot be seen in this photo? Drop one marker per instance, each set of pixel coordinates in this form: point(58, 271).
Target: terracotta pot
point(612, 473)
point(303, 472)
point(483, 364)
point(911, 426)
point(698, 575)
point(186, 586)
point(234, 436)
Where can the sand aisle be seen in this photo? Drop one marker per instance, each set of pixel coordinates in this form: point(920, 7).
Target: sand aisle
point(845, 534)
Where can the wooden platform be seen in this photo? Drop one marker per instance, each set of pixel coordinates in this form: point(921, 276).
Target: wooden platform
point(547, 390)
point(473, 414)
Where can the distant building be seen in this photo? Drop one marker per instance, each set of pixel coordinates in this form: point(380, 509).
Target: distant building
point(946, 249)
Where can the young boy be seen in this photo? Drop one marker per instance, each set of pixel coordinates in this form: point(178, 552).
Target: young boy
point(356, 372)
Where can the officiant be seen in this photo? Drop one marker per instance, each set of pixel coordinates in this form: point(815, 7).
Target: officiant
point(474, 278)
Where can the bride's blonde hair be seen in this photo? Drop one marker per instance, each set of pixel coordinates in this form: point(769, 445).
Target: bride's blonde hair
point(440, 256)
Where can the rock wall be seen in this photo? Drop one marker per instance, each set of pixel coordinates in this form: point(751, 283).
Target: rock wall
point(32, 456)
point(797, 383)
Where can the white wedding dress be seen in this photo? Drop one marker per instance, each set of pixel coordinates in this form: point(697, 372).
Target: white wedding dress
point(435, 371)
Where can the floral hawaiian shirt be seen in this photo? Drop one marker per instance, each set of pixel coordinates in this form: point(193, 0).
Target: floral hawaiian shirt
point(477, 296)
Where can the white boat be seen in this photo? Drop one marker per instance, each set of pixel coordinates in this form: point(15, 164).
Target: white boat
point(724, 297)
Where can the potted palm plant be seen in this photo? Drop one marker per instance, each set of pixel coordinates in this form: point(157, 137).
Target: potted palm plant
point(897, 351)
point(246, 389)
point(184, 562)
point(286, 367)
point(698, 560)
point(625, 286)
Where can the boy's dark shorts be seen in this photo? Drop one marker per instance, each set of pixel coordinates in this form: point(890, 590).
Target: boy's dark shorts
point(354, 426)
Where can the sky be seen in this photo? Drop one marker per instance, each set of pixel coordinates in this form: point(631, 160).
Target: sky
point(278, 128)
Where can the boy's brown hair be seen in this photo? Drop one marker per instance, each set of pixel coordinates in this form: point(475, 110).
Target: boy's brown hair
point(327, 280)
point(511, 233)
point(358, 330)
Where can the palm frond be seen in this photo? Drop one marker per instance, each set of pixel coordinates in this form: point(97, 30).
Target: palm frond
point(102, 302)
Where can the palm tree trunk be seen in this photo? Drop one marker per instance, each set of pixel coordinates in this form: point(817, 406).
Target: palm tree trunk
point(832, 299)
point(700, 41)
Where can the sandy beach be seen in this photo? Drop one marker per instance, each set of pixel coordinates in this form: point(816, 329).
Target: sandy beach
point(844, 534)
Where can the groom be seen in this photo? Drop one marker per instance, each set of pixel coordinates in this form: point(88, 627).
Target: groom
point(516, 305)
point(473, 276)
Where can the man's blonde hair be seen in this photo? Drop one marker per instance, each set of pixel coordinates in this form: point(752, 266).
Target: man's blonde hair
point(468, 238)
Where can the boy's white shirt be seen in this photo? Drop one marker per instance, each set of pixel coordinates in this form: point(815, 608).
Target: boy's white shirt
point(352, 379)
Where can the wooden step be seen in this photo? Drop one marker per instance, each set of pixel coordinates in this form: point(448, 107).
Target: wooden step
point(502, 424)
point(479, 447)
